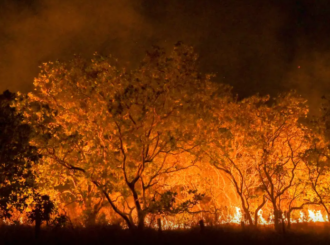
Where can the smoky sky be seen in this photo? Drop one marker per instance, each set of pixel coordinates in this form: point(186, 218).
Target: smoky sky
point(257, 46)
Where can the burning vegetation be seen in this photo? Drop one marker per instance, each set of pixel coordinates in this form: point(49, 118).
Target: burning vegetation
point(159, 146)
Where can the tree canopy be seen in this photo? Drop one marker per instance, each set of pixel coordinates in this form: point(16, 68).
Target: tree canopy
point(125, 132)
point(163, 140)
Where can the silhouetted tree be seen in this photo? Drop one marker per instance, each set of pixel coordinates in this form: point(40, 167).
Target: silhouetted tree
point(16, 157)
point(43, 207)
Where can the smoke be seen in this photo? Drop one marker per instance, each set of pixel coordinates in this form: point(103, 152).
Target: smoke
point(239, 41)
point(311, 77)
point(50, 30)
point(255, 46)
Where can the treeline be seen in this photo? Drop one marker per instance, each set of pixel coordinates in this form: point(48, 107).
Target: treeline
point(160, 142)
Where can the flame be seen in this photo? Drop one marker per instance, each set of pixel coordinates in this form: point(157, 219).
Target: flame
point(315, 216)
point(6, 221)
point(10, 222)
point(170, 223)
point(237, 219)
point(302, 217)
point(167, 224)
point(261, 219)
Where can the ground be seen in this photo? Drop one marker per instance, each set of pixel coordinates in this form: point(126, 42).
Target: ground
point(300, 234)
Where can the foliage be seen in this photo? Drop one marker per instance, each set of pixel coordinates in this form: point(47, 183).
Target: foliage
point(166, 204)
point(124, 132)
point(163, 140)
point(43, 207)
point(16, 158)
point(259, 145)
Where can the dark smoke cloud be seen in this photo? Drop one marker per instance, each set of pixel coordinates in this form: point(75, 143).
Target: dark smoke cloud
point(256, 46)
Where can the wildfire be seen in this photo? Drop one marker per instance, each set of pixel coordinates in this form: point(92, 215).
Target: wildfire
point(261, 219)
point(237, 218)
point(302, 217)
point(167, 224)
point(315, 216)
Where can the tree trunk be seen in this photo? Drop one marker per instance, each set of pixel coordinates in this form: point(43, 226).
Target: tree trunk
point(256, 218)
point(247, 215)
point(141, 217)
point(159, 223)
point(276, 220)
point(257, 211)
point(140, 212)
point(289, 218)
point(127, 220)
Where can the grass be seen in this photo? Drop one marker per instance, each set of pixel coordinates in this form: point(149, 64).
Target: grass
point(300, 234)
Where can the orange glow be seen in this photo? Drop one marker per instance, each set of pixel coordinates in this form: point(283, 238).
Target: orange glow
point(315, 216)
point(261, 219)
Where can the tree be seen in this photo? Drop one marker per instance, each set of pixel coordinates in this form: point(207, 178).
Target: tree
point(43, 208)
point(83, 197)
point(281, 139)
point(317, 162)
point(125, 132)
point(297, 196)
point(258, 144)
point(317, 159)
point(16, 158)
point(231, 149)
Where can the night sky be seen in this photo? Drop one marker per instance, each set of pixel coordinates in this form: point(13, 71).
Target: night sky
point(257, 46)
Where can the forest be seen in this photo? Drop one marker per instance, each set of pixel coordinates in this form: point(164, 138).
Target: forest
point(160, 146)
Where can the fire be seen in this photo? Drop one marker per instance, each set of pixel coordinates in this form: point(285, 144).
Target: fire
point(261, 219)
point(315, 216)
point(167, 224)
point(302, 217)
point(10, 222)
point(237, 219)
point(6, 221)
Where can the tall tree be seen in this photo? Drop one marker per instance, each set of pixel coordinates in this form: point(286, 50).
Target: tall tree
point(317, 163)
point(231, 149)
point(258, 144)
point(123, 131)
point(281, 140)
